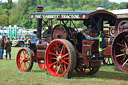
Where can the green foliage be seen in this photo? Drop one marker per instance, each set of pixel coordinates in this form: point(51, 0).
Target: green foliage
point(4, 20)
point(10, 5)
point(18, 13)
point(122, 5)
point(26, 21)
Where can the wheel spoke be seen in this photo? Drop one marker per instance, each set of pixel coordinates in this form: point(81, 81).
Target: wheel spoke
point(124, 58)
point(28, 63)
point(54, 58)
point(57, 48)
point(62, 67)
point(65, 55)
point(65, 62)
point(21, 63)
point(52, 54)
point(62, 50)
point(21, 60)
point(125, 44)
point(66, 58)
point(21, 56)
point(57, 52)
point(125, 62)
point(58, 69)
point(24, 53)
point(56, 65)
point(53, 63)
point(27, 59)
point(120, 55)
point(122, 50)
point(65, 67)
point(121, 45)
point(25, 65)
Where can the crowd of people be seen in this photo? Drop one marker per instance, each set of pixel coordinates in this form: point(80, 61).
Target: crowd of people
point(5, 47)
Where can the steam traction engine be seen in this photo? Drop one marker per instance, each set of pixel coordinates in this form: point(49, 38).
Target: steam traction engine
point(119, 49)
point(62, 48)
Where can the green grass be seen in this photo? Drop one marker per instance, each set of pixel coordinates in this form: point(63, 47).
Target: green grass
point(10, 75)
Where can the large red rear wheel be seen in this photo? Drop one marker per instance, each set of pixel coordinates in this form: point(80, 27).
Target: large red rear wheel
point(120, 50)
point(24, 59)
point(60, 58)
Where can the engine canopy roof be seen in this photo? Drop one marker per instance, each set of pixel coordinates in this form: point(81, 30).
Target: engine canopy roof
point(71, 14)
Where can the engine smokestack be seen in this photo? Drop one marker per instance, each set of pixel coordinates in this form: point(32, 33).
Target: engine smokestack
point(39, 9)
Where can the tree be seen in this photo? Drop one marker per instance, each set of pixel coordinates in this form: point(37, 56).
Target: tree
point(4, 20)
point(122, 5)
point(10, 5)
point(26, 22)
point(18, 13)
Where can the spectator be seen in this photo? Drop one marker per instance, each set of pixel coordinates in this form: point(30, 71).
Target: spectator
point(7, 47)
point(2, 47)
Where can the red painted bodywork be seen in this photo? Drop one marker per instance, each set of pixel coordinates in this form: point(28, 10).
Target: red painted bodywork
point(41, 48)
point(107, 51)
point(84, 58)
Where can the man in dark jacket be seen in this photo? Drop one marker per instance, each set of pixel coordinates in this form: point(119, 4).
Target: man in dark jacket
point(1, 47)
point(7, 47)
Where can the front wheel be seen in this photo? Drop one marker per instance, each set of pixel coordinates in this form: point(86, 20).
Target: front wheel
point(60, 58)
point(24, 59)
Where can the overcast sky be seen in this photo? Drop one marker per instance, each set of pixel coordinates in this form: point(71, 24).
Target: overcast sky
point(118, 1)
point(7, 0)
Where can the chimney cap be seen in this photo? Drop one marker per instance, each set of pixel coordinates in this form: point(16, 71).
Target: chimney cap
point(39, 9)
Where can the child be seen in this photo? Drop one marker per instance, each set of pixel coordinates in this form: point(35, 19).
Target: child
point(7, 47)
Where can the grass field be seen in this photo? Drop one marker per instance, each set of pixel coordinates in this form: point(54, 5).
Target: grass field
point(10, 75)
